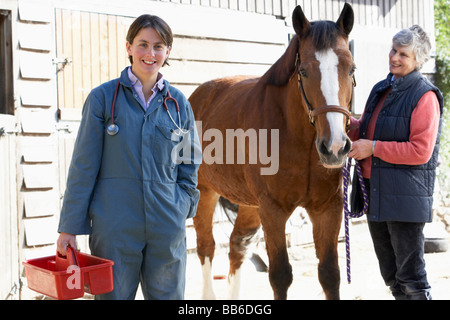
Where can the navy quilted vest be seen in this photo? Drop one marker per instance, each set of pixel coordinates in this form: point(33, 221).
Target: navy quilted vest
point(400, 192)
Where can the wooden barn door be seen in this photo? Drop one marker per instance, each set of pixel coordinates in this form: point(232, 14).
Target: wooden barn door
point(91, 50)
point(9, 260)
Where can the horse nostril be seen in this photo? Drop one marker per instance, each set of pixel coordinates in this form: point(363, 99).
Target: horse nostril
point(347, 147)
point(323, 148)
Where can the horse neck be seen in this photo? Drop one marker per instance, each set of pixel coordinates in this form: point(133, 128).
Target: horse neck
point(294, 111)
point(280, 107)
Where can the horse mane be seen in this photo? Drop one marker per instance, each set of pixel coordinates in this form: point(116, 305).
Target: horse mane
point(282, 70)
point(323, 34)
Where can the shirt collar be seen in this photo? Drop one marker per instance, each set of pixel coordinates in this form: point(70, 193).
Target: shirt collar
point(160, 82)
point(159, 85)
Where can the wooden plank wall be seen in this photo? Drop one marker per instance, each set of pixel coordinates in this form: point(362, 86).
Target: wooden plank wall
point(95, 43)
point(200, 53)
point(194, 59)
point(38, 199)
point(382, 13)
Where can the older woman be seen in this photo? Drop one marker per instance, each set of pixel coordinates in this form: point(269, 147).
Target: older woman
point(397, 144)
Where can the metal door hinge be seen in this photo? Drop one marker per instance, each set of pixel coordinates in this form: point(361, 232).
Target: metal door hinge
point(64, 127)
point(65, 61)
point(4, 131)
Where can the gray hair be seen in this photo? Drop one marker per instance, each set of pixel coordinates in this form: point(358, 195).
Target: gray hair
point(416, 39)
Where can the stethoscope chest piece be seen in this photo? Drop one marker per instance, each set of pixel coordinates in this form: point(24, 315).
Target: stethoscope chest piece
point(112, 129)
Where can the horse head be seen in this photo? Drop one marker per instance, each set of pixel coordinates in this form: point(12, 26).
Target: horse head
point(325, 70)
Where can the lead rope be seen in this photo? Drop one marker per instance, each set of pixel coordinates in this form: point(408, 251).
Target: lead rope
point(347, 213)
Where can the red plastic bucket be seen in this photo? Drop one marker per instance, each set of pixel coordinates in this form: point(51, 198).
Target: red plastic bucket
point(65, 278)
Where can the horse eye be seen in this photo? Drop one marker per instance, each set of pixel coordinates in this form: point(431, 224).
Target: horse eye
point(352, 71)
point(303, 73)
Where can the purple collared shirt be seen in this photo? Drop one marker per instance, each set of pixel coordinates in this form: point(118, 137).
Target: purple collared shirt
point(137, 85)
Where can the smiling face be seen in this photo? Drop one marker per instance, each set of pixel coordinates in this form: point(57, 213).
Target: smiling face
point(402, 61)
point(149, 53)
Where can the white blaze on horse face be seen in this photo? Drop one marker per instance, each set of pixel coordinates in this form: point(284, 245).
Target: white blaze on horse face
point(330, 88)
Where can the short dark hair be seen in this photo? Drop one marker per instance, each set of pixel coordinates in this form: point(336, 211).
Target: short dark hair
point(154, 22)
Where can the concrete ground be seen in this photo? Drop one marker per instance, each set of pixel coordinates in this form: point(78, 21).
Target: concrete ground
point(366, 282)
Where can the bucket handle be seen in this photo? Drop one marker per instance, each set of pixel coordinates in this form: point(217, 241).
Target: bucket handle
point(71, 256)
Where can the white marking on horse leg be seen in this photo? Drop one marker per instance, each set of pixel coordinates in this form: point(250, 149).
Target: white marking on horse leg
point(234, 285)
point(208, 291)
point(330, 88)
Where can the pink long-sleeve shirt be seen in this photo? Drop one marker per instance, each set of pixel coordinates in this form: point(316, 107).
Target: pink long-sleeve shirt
point(423, 132)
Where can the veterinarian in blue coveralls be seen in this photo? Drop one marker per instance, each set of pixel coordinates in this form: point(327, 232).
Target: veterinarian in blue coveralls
point(127, 186)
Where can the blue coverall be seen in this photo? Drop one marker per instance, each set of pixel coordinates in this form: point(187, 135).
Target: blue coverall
point(130, 193)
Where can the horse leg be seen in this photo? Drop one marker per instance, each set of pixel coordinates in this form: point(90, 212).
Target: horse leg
point(245, 228)
point(273, 221)
point(203, 223)
point(326, 225)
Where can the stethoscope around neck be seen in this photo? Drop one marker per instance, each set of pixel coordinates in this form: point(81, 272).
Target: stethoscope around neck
point(180, 131)
point(113, 128)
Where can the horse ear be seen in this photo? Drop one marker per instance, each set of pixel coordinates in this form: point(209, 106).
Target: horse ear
point(299, 21)
point(346, 19)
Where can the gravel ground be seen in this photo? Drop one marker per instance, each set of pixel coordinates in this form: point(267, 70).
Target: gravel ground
point(366, 282)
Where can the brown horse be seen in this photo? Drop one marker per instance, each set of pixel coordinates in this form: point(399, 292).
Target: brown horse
point(299, 101)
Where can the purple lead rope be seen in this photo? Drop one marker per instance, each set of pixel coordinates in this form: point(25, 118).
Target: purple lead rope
point(347, 213)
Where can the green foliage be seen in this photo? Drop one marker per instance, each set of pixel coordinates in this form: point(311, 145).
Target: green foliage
point(442, 81)
point(442, 27)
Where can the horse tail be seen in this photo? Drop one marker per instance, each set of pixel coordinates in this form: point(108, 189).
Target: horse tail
point(230, 209)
